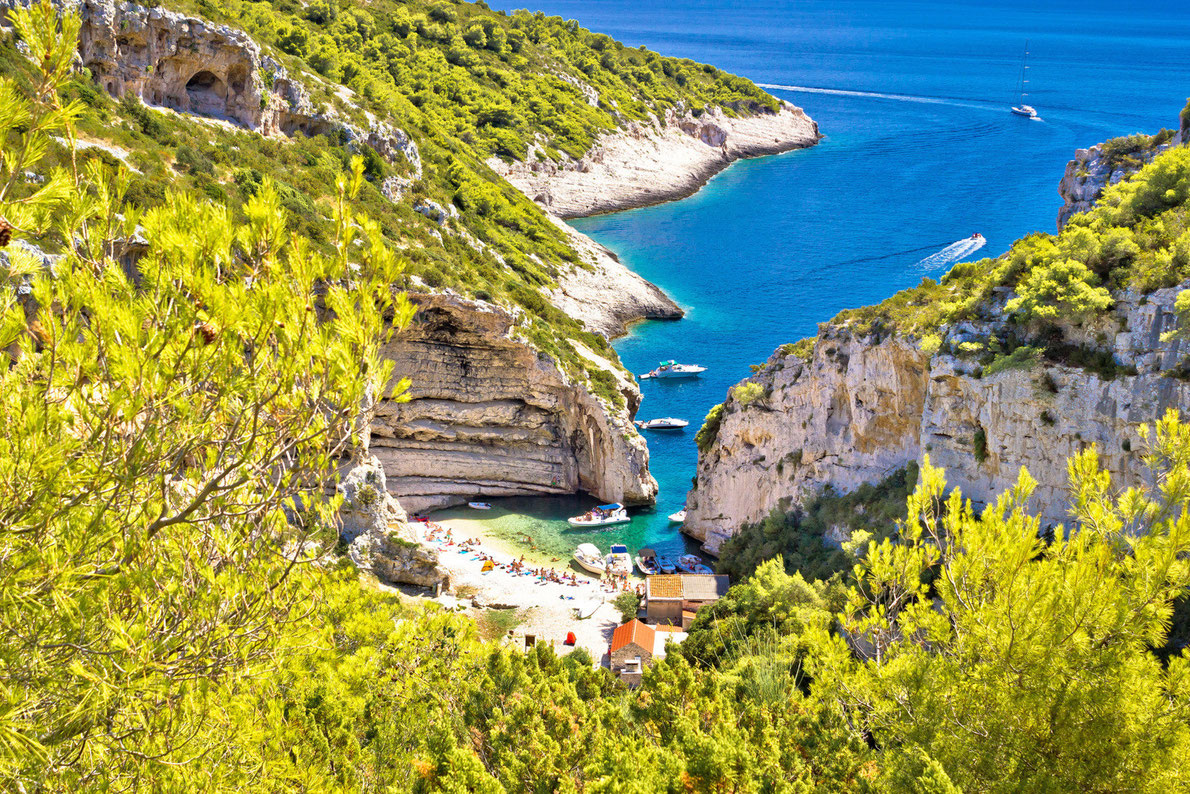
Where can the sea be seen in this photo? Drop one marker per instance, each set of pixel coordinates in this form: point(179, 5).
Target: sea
point(920, 153)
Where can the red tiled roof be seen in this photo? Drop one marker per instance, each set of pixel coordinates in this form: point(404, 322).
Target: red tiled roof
point(633, 632)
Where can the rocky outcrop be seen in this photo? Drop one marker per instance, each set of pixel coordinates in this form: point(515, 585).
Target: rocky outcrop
point(862, 407)
point(490, 416)
point(184, 63)
point(1092, 171)
point(603, 293)
point(380, 538)
point(660, 160)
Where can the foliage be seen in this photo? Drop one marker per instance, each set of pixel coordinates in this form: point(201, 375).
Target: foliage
point(747, 393)
point(706, 434)
point(627, 604)
point(174, 427)
point(799, 537)
point(1019, 663)
point(1065, 289)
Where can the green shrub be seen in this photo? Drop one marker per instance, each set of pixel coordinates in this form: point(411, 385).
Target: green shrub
point(747, 393)
point(709, 431)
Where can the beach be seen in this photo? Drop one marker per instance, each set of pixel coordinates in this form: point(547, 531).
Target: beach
point(547, 610)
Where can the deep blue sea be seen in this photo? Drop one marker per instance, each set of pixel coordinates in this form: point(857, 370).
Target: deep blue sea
point(920, 152)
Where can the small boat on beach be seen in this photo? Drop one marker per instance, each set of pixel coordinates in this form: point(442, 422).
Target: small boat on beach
point(672, 369)
point(666, 565)
point(618, 561)
point(646, 560)
point(692, 563)
point(663, 423)
point(601, 516)
point(678, 517)
point(479, 505)
point(590, 559)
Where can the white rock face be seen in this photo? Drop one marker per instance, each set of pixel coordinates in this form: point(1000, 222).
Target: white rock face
point(381, 539)
point(489, 416)
point(863, 407)
point(648, 163)
point(1090, 173)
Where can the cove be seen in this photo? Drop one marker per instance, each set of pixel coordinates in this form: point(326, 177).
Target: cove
point(920, 153)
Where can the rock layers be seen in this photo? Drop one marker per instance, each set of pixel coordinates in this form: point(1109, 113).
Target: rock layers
point(651, 162)
point(862, 407)
point(489, 416)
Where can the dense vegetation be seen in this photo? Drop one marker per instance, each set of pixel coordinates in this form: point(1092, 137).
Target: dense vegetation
point(175, 615)
point(466, 83)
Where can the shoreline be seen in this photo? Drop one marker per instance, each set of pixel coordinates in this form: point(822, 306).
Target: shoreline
point(650, 163)
point(547, 610)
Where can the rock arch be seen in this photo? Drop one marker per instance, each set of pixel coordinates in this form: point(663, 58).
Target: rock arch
point(206, 94)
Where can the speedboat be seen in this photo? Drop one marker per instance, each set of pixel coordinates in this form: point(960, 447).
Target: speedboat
point(692, 563)
point(618, 561)
point(977, 236)
point(678, 517)
point(666, 565)
point(479, 505)
point(664, 423)
point(590, 559)
point(602, 516)
point(646, 560)
point(672, 369)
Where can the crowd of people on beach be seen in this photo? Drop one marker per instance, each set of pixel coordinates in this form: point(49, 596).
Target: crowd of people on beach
point(443, 537)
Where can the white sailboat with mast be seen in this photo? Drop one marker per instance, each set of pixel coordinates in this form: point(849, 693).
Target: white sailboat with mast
point(1020, 108)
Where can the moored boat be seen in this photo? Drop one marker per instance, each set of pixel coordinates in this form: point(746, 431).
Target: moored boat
point(590, 558)
point(691, 563)
point(663, 423)
point(672, 369)
point(678, 517)
point(618, 561)
point(666, 565)
point(601, 516)
point(646, 560)
point(479, 505)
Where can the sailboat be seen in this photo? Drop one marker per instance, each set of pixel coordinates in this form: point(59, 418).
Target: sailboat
point(1021, 109)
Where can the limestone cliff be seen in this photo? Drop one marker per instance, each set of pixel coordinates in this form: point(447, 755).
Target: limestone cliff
point(655, 161)
point(862, 407)
point(490, 416)
point(380, 538)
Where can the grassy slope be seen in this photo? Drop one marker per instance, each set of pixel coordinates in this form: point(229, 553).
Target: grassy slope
point(466, 83)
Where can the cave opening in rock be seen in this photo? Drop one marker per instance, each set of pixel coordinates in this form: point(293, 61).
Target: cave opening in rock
point(207, 94)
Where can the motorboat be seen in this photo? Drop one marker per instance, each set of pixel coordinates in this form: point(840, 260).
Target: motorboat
point(646, 560)
point(678, 517)
point(977, 236)
point(703, 569)
point(601, 516)
point(479, 505)
point(664, 423)
point(590, 559)
point(672, 369)
point(692, 563)
point(618, 561)
point(666, 565)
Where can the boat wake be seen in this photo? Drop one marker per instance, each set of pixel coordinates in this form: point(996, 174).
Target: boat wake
point(925, 100)
point(952, 253)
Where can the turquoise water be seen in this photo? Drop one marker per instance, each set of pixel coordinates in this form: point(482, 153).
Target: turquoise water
point(773, 246)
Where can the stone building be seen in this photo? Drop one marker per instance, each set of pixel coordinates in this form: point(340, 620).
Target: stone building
point(636, 645)
point(674, 598)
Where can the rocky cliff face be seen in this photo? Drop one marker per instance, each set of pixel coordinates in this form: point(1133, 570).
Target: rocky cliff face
point(1091, 171)
point(662, 160)
point(490, 416)
point(380, 538)
point(862, 407)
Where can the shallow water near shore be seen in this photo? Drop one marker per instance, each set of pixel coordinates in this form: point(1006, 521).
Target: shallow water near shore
point(920, 152)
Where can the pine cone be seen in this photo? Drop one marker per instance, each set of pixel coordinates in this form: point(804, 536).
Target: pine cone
point(5, 233)
point(206, 331)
